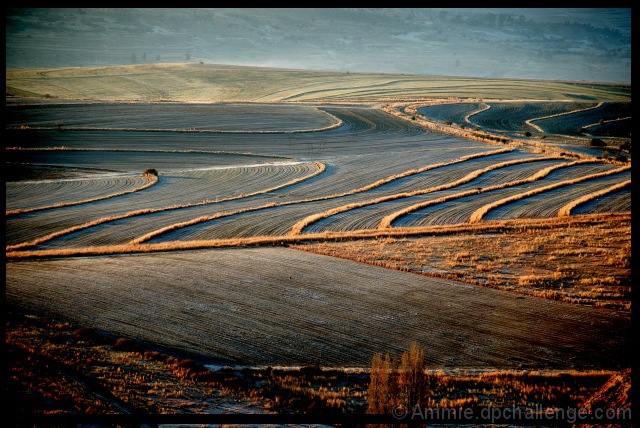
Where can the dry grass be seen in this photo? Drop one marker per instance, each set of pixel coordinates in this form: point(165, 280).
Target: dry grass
point(103, 220)
point(586, 262)
point(298, 227)
point(202, 219)
point(56, 367)
point(537, 128)
point(409, 112)
point(401, 259)
point(378, 183)
point(477, 215)
point(386, 221)
point(566, 210)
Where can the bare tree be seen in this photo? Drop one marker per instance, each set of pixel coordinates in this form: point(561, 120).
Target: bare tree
point(392, 386)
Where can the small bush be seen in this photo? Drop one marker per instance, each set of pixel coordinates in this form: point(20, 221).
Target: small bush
point(84, 333)
point(123, 344)
point(597, 142)
point(154, 356)
point(191, 365)
point(150, 171)
point(527, 134)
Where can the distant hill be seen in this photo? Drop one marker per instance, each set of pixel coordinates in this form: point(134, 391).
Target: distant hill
point(556, 44)
point(224, 83)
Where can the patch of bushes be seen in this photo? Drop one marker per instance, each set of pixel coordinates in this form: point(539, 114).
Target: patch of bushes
point(150, 171)
point(597, 142)
point(626, 146)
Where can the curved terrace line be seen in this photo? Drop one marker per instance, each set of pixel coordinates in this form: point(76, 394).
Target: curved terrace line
point(477, 215)
point(378, 183)
point(388, 220)
point(409, 112)
point(565, 211)
point(103, 220)
point(95, 149)
point(299, 95)
point(591, 125)
point(473, 113)
point(485, 227)
point(337, 123)
point(537, 128)
point(299, 227)
point(152, 180)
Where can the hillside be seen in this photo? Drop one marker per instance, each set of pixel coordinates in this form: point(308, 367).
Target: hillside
point(223, 83)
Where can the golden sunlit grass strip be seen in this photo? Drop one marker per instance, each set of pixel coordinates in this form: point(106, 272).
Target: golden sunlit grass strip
point(399, 232)
point(411, 113)
point(146, 237)
point(152, 180)
point(298, 227)
point(537, 128)
point(482, 211)
point(378, 183)
point(605, 121)
point(478, 111)
point(566, 210)
point(321, 168)
point(386, 221)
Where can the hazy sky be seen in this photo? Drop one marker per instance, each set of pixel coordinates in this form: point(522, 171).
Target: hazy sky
point(592, 44)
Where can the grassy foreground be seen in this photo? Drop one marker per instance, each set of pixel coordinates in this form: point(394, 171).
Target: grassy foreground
point(66, 369)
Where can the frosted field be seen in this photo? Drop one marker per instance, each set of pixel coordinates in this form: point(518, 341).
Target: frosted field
point(235, 171)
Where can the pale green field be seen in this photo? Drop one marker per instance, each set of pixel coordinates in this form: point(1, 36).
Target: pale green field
point(222, 83)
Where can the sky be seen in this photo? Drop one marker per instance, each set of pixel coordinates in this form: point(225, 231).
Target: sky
point(584, 44)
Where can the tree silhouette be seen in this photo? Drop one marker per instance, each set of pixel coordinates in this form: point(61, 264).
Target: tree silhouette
point(391, 386)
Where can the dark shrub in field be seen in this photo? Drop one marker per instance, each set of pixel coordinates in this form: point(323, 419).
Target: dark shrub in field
point(84, 333)
point(123, 344)
point(597, 142)
point(150, 171)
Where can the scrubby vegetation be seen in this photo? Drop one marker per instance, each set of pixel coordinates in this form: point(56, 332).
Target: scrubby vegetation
point(588, 263)
point(59, 368)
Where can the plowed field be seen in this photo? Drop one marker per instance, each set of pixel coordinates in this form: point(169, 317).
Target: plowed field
point(282, 306)
point(293, 173)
